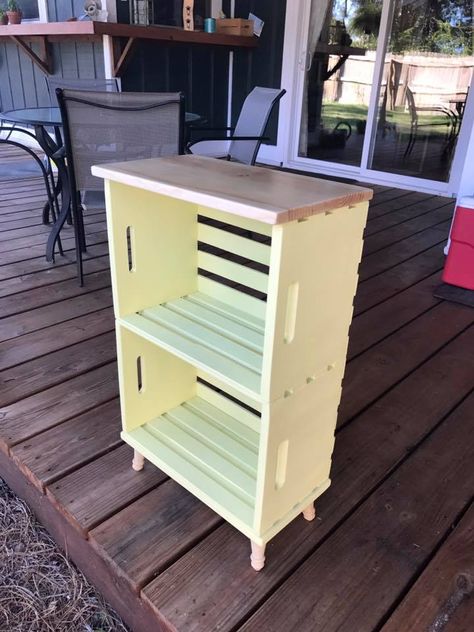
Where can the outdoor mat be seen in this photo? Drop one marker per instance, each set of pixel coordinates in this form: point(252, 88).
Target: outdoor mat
point(455, 294)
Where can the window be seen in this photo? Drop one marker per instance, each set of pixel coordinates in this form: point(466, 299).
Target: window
point(33, 10)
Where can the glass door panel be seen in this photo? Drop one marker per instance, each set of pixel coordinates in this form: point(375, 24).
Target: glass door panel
point(427, 73)
point(340, 59)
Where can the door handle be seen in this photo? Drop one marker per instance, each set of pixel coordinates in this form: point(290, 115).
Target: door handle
point(305, 61)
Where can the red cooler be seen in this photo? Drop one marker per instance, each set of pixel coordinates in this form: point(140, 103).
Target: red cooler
point(459, 267)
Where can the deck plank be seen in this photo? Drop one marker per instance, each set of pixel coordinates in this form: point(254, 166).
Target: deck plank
point(34, 414)
point(383, 238)
point(56, 452)
point(378, 288)
point(372, 373)
point(395, 254)
point(29, 346)
point(415, 212)
point(48, 315)
point(442, 598)
point(40, 373)
point(170, 522)
point(107, 484)
point(384, 319)
point(35, 298)
point(30, 280)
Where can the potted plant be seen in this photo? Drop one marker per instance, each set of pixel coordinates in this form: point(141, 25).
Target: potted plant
point(13, 12)
point(3, 17)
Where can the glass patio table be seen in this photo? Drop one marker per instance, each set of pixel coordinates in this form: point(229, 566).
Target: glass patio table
point(42, 119)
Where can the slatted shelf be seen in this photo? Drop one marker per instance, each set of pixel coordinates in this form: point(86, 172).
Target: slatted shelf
point(209, 452)
point(209, 334)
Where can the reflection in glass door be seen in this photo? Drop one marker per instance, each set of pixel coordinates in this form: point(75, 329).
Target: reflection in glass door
point(385, 86)
point(340, 57)
point(426, 77)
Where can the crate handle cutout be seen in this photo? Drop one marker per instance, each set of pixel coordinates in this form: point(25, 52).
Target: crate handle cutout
point(130, 248)
point(139, 374)
point(291, 309)
point(282, 462)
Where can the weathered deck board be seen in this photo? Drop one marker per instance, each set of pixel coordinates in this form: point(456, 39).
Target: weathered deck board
point(442, 599)
point(166, 561)
point(108, 484)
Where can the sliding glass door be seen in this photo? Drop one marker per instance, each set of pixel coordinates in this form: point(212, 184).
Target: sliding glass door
point(383, 86)
point(427, 75)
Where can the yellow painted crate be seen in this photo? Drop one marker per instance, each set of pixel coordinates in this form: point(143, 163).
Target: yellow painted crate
point(233, 290)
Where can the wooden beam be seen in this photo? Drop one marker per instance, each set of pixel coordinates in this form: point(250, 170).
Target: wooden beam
point(43, 61)
point(124, 57)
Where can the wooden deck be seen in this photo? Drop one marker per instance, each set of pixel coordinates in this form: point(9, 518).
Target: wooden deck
point(390, 548)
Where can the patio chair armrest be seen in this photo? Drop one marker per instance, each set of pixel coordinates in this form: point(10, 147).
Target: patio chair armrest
point(204, 128)
point(61, 153)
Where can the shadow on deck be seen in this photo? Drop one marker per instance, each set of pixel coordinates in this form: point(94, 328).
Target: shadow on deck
point(392, 529)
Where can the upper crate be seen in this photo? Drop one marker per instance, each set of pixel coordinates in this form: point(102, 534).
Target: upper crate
point(232, 268)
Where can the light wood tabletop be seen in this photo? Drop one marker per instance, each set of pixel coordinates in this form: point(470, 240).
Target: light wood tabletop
point(266, 195)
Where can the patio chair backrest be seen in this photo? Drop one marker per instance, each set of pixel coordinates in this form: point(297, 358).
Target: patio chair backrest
point(252, 121)
point(101, 127)
point(92, 85)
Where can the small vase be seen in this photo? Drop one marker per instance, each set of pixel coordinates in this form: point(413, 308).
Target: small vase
point(14, 17)
point(4, 20)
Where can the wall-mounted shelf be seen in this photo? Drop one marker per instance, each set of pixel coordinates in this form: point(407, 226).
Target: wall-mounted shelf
point(123, 36)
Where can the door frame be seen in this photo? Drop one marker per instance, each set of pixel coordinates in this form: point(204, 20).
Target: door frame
point(285, 153)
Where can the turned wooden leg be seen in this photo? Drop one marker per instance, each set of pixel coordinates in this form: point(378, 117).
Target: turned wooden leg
point(310, 512)
point(138, 461)
point(257, 558)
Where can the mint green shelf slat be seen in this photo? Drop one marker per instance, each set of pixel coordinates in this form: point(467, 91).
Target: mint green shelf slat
point(205, 349)
point(239, 430)
point(185, 444)
point(233, 271)
point(216, 322)
point(234, 243)
point(231, 313)
point(210, 337)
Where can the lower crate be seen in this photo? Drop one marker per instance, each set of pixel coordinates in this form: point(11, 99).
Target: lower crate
point(246, 460)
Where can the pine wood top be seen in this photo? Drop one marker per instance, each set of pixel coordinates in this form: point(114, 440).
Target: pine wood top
point(266, 195)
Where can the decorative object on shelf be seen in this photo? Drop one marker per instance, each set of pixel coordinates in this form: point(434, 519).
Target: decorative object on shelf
point(188, 15)
point(235, 26)
point(142, 12)
point(257, 24)
point(230, 374)
point(210, 25)
point(3, 18)
point(93, 11)
point(14, 12)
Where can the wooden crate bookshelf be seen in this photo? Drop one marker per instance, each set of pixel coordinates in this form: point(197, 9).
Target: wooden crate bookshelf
point(233, 291)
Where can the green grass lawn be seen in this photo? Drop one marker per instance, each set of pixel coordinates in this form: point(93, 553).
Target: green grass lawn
point(356, 115)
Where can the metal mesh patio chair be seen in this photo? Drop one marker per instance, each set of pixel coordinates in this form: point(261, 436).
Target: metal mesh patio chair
point(447, 116)
point(91, 85)
point(240, 144)
point(102, 127)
